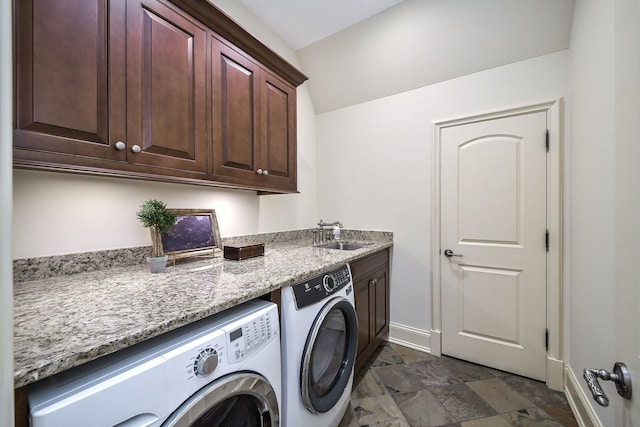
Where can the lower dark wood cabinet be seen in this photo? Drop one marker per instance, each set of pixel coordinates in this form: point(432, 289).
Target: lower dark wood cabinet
point(371, 292)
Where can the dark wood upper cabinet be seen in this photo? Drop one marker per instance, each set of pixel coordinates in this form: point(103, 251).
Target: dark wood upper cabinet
point(254, 125)
point(148, 89)
point(166, 92)
point(236, 91)
point(65, 58)
point(279, 132)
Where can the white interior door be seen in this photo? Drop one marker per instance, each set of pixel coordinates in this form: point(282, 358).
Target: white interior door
point(493, 219)
point(627, 210)
point(627, 288)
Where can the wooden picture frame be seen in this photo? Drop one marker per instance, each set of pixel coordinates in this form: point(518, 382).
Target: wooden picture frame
point(195, 233)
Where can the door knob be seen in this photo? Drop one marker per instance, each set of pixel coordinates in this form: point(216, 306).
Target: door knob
point(620, 376)
point(136, 148)
point(449, 253)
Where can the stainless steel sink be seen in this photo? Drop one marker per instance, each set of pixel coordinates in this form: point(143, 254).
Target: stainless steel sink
point(343, 246)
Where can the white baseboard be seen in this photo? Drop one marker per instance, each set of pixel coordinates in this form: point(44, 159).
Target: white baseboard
point(411, 337)
point(555, 374)
point(579, 401)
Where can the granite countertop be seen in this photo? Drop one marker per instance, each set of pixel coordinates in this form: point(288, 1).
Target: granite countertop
point(65, 321)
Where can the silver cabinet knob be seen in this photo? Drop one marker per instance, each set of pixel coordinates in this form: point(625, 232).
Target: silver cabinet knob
point(265, 172)
point(136, 148)
point(259, 171)
point(120, 145)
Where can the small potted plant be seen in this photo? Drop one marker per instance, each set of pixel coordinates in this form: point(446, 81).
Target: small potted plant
point(155, 215)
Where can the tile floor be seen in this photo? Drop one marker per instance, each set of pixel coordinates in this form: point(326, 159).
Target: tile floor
point(403, 387)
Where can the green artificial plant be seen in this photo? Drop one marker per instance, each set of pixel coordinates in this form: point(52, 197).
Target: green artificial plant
point(155, 215)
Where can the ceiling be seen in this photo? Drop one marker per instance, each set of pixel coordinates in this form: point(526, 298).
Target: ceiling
point(302, 22)
point(355, 51)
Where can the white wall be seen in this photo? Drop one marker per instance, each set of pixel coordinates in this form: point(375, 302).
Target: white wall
point(590, 224)
point(419, 43)
point(58, 213)
point(6, 277)
point(63, 213)
point(375, 164)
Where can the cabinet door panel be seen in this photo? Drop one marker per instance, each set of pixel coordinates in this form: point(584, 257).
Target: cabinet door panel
point(362, 296)
point(371, 292)
point(381, 326)
point(235, 123)
point(63, 93)
point(278, 148)
point(166, 88)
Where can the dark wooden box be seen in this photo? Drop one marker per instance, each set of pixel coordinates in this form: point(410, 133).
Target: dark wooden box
point(240, 251)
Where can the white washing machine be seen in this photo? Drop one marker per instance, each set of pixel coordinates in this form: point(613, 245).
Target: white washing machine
point(221, 371)
point(319, 329)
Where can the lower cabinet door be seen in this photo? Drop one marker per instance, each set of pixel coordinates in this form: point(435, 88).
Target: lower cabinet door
point(371, 293)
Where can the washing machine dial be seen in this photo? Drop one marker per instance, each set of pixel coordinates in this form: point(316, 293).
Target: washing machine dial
point(206, 362)
point(329, 283)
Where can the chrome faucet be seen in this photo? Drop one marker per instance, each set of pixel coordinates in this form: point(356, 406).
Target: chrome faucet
point(329, 224)
point(319, 235)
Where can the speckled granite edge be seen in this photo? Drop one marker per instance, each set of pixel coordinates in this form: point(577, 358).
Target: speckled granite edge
point(285, 236)
point(63, 265)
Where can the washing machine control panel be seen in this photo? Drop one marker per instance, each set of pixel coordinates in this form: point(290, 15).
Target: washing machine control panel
point(318, 288)
point(251, 336)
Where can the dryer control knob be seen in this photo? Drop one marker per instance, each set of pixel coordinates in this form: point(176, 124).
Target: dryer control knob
point(329, 283)
point(206, 362)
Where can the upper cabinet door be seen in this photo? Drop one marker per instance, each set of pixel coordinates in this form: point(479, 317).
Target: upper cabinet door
point(166, 93)
point(279, 132)
point(253, 122)
point(68, 82)
point(235, 94)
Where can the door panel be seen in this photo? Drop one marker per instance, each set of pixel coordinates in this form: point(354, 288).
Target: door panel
point(166, 88)
point(279, 119)
point(478, 289)
point(235, 122)
point(493, 213)
point(627, 210)
point(495, 222)
point(381, 304)
point(362, 296)
point(77, 46)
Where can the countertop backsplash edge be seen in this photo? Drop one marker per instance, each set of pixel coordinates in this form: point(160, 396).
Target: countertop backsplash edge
point(44, 267)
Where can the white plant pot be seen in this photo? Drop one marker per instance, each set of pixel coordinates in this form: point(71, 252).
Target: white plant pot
point(157, 264)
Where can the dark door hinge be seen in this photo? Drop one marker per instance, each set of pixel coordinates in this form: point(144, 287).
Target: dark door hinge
point(546, 240)
point(547, 140)
point(546, 339)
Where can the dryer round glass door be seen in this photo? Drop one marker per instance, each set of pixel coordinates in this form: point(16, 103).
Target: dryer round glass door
point(329, 354)
point(242, 399)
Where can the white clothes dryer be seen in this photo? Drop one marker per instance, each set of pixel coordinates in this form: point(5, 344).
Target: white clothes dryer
point(220, 371)
point(319, 343)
